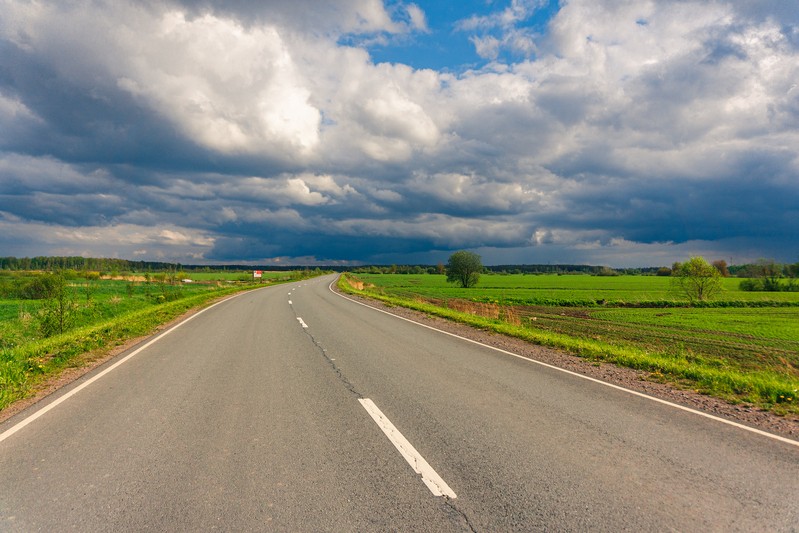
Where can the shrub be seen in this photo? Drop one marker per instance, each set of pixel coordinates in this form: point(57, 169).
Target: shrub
point(750, 284)
point(37, 287)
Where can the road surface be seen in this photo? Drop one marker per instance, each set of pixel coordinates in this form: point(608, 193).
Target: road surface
point(291, 408)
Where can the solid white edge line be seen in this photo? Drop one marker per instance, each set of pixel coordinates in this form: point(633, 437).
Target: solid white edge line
point(429, 476)
point(589, 378)
point(52, 405)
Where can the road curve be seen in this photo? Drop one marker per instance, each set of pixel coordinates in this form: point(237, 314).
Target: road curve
point(293, 408)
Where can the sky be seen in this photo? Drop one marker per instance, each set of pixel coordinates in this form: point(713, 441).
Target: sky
point(603, 132)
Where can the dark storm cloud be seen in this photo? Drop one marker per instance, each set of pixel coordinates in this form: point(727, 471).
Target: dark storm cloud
point(322, 247)
point(76, 122)
point(755, 200)
point(209, 131)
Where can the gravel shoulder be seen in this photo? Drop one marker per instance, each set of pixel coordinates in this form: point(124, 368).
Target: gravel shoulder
point(636, 380)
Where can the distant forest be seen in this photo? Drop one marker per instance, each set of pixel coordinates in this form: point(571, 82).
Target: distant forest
point(109, 265)
point(84, 263)
point(118, 265)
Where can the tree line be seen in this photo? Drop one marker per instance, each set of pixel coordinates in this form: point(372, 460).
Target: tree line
point(55, 263)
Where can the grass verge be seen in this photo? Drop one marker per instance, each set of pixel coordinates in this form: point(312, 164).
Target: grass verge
point(24, 367)
point(766, 389)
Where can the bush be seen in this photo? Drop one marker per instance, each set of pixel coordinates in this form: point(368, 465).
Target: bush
point(768, 285)
point(37, 287)
point(771, 284)
point(750, 285)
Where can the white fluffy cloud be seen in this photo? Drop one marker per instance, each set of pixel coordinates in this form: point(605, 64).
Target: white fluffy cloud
point(230, 88)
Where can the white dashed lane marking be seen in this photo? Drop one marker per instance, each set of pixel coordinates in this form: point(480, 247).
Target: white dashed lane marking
point(429, 476)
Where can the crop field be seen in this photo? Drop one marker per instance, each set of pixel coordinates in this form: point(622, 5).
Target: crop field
point(745, 339)
point(567, 290)
point(742, 333)
point(757, 324)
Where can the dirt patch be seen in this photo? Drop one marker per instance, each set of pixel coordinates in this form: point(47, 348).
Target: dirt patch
point(125, 278)
point(640, 381)
point(487, 310)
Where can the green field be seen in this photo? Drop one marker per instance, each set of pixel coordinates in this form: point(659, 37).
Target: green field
point(568, 290)
point(724, 349)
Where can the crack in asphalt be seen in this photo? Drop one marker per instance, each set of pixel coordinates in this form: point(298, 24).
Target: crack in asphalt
point(451, 504)
point(347, 384)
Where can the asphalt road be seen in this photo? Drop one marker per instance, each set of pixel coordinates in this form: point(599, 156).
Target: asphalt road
point(262, 413)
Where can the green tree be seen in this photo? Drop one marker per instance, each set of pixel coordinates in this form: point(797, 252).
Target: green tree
point(697, 280)
point(464, 268)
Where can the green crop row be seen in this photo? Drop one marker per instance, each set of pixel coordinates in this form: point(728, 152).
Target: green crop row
point(762, 323)
point(573, 291)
